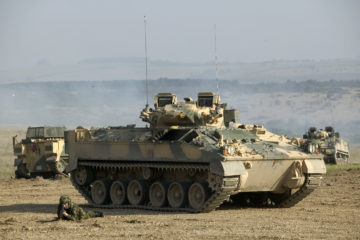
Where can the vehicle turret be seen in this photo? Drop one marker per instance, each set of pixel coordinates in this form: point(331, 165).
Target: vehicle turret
point(167, 112)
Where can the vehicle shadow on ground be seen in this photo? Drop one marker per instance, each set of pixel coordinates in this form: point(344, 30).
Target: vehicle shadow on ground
point(52, 208)
point(236, 206)
point(124, 212)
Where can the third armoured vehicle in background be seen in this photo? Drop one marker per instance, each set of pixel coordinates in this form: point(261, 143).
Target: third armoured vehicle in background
point(41, 153)
point(329, 143)
point(191, 158)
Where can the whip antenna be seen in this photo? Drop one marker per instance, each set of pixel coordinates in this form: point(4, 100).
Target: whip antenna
point(216, 61)
point(146, 66)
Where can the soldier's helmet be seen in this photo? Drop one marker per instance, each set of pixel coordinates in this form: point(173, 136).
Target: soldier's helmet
point(64, 199)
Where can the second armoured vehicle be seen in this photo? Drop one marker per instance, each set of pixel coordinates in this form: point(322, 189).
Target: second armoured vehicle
point(329, 143)
point(41, 153)
point(192, 158)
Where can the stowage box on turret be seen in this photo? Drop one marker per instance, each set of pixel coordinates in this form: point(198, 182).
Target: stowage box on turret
point(329, 143)
point(41, 153)
point(192, 158)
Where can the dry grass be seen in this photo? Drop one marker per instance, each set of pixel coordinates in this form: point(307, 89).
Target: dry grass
point(355, 154)
point(335, 169)
point(6, 151)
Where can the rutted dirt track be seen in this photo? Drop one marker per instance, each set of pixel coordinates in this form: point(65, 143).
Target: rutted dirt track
point(27, 208)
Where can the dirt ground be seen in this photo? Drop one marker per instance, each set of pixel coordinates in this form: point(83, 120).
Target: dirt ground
point(28, 209)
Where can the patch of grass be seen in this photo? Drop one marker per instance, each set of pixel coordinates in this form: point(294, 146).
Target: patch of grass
point(7, 157)
point(333, 169)
point(355, 154)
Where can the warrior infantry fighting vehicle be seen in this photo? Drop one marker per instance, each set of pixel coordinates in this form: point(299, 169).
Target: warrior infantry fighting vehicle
point(41, 153)
point(329, 143)
point(192, 158)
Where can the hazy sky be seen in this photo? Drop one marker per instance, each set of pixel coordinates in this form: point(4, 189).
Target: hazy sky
point(65, 32)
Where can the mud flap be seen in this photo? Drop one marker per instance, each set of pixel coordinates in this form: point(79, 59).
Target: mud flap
point(230, 169)
point(73, 164)
point(69, 142)
point(314, 166)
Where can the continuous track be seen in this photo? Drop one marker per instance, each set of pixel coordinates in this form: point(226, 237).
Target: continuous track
point(222, 192)
point(311, 183)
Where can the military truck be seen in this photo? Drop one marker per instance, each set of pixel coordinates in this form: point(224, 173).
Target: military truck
point(41, 153)
point(329, 143)
point(191, 158)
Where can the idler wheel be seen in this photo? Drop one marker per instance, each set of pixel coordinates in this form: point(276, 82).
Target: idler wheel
point(137, 192)
point(176, 194)
point(197, 195)
point(83, 176)
point(157, 194)
point(100, 192)
point(118, 192)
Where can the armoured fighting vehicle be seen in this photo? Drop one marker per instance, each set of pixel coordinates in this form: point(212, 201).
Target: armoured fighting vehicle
point(41, 153)
point(191, 158)
point(329, 143)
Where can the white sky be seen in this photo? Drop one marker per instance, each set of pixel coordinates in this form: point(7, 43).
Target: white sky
point(65, 32)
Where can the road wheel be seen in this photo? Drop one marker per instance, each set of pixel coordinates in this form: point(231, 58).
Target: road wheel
point(100, 192)
point(118, 192)
point(137, 192)
point(157, 194)
point(197, 195)
point(176, 194)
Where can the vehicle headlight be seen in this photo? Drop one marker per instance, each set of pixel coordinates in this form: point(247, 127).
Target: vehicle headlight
point(311, 148)
point(229, 150)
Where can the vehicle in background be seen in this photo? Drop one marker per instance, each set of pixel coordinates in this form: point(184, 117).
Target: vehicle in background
point(329, 143)
point(41, 153)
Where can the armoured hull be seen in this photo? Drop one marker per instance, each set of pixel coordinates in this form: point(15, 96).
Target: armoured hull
point(188, 169)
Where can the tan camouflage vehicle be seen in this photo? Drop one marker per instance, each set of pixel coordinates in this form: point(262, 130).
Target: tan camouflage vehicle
point(189, 160)
point(41, 153)
point(329, 143)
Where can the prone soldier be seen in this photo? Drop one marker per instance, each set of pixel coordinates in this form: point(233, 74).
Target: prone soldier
point(68, 210)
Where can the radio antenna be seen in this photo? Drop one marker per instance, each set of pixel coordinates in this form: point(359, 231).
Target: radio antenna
point(146, 66)
point(216, 61)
